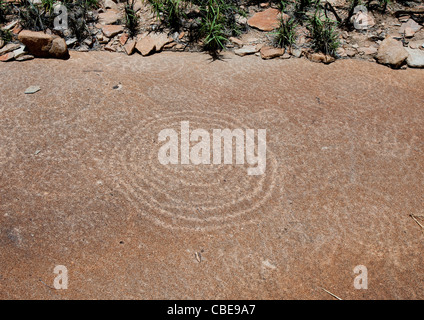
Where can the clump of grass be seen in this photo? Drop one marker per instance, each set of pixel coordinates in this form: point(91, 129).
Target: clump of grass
point(214, 23)
point(282, 4)
point(301, 7)
point(325, 39)
point(131, 18)
point(213, 27)
point(285, 35)
point(218, 23)
point(171, 11)
point(48, 5)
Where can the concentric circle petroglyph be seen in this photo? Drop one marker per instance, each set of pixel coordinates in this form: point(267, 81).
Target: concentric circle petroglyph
point(197, 197)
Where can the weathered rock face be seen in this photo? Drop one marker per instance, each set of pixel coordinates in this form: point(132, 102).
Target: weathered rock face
point(415, 58)
point(266, 20)
point(44, 45)
point(392, 53)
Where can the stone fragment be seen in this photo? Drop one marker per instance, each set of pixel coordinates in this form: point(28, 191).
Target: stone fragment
point(392, 53)
point(271, 52)
point(246, 50)
point(112, 30)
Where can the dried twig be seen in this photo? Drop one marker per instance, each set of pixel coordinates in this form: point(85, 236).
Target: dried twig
point(332, 294)
point(328, 7)
point(46, 284)
point(413, 217)
point(409, 11)
point(198, 257)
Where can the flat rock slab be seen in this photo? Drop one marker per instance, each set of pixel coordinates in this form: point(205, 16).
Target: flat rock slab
point(81, 184)
point(109, 17)
point(9, 48)
point(112, 30)
point(266, 20)
point(246, 50)
point(271, 52)
point(410, 26)
point(32, 89)
point(7, 57)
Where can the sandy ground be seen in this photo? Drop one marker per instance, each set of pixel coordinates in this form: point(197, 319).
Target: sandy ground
point(81, 184)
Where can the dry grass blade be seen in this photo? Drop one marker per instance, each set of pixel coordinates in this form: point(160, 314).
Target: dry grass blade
point(415, 219)
point(332, 294)
point(198, 257)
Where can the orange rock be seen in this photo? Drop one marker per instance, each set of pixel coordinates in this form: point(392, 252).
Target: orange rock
point(7, 57)
point(129, 47)
point(271, 52)
point(266, 20)
point(40, 44)
point(112, 30)
point(124, 38)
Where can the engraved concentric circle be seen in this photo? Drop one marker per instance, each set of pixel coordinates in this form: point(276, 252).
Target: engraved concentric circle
point(198, 197)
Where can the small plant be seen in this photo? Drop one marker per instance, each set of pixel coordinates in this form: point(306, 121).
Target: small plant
point(31, 17)
point(77, 19)
point(384, 4)
point(229, 9)
point(282, 4)
point(285, 35)
point(323, 33)
point(218, 22)
point(48, 5)
point(213, 28)
point(89, 4)
point(6, 35)
point(131, 18)
point(301, 6)
point(347, 21)
point(4, 10)
point(172, 11)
